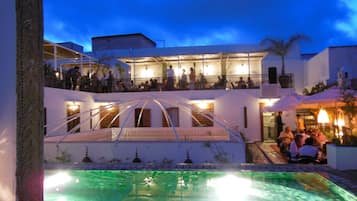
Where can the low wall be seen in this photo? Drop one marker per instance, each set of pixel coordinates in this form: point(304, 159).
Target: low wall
point(158, 152)
point(342, 157)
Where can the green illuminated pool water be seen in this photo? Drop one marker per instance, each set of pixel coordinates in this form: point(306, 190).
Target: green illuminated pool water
point(191, 186)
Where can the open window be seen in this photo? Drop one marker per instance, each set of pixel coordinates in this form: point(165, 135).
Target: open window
point(142, 117)
point(201, 114)
point(108, 114)
point(73, 117)
point(173, 114)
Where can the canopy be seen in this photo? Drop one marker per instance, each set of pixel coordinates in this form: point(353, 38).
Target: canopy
point(328, 98)
point(289, 102)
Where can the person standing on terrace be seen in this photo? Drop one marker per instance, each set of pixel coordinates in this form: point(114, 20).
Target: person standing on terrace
point(72, 78)
point(110, 80)
point(170, 78)
point(192, 78)
point(183, 79)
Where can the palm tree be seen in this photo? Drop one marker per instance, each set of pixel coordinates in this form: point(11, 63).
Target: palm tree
point(281, 47)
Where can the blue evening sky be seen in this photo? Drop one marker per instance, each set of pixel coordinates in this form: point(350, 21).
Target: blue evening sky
point(204, 22)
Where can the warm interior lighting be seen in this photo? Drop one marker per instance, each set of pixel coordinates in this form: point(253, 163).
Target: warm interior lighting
point(57, 74)
point(202, 104)
point(339, 122)
point(242, 69)
point(147, 73)
point(268, 102)
point(208, 70)
point(56, 180)
point(322, 117)
point(73, 106)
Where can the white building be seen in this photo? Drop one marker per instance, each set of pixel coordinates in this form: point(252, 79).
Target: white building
point(229, 107)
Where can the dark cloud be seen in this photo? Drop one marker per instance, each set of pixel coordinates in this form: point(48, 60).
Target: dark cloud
point(201, 22)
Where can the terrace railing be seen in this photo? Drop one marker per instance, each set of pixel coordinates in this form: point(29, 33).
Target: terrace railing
point(85, 83)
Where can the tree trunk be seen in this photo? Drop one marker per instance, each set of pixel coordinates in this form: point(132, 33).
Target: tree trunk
point(29, 89)
point(282, 65)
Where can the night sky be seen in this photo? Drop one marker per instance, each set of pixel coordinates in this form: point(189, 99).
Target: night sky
point(204, 22)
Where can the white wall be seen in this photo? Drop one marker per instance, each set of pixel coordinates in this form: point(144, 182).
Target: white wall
point(228, 105)
point(8, 100)
point(55, 102)
point(317, 69)
point(103, 152)
point(293, 64)
point(342, 57)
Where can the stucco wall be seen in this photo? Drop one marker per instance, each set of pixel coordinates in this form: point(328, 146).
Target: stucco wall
point(342, 57)
point(293, 64)
point(317, 69)
point(103, 152)
point(228, 105)
point(8, 100)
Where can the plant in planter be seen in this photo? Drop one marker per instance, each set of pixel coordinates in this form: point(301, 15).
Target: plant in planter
point(350, 110)
point(281, 48)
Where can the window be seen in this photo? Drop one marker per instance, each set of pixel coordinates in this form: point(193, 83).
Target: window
point(173, 113)
point(144, 120)
point(200, 120)
point(73, 118)
point(107, 114)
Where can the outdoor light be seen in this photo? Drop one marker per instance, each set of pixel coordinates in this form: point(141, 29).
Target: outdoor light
point(208, 70)
point(339, 122)
point(231, 187)
point(147, 73)
point(242, 69)
point(322, 117)
point(202, 104)
point(56, 180)
point(73, 106)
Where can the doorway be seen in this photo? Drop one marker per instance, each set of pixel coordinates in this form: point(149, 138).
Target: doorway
point(269, 127)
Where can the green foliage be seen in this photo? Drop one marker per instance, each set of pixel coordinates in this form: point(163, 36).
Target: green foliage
point(349, 108)
point(281, 48)
point(319, 87)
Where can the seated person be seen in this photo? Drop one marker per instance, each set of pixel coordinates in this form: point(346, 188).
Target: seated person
point(250, 83)
point(319, 138)
point(285, 138)
point(295, 146)
point(241, 83)
point(308, 151)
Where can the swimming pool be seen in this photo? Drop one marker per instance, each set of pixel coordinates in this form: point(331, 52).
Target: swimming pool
point(125, 185)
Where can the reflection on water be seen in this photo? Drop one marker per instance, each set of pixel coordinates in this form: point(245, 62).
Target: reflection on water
point(188, 185)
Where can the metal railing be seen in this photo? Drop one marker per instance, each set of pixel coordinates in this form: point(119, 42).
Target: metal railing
point(85, 83)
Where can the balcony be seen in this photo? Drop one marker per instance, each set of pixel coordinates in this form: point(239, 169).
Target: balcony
point(85, 83)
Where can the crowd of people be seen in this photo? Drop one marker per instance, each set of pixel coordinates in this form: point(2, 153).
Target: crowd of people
point(106, 82)
point(303, 145)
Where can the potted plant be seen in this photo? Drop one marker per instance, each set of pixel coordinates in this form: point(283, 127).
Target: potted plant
point(342, 149)
point(281, 48)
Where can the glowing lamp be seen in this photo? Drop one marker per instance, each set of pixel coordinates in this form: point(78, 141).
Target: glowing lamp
point(73, 106)
point(322, 117)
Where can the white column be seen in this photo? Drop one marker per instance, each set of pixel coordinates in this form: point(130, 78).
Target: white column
point(55, 56)
point(8, 100)
point(248, 64)
point(81, 63)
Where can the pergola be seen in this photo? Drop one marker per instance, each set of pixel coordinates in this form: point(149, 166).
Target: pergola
point(64, 57)
point(200, 59)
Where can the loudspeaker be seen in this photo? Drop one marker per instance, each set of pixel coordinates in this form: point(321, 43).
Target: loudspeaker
point(272, 75)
